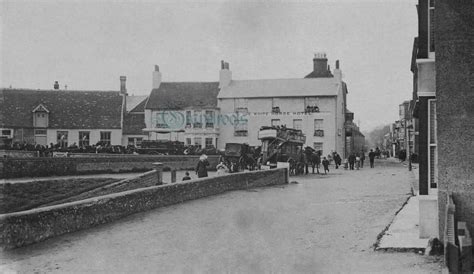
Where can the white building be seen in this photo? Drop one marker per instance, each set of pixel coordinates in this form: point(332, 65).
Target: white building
point(315, 104)
point(182, 111)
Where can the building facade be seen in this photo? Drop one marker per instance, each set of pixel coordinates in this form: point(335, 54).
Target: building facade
point(183, 111)
point(63, 117)
point(315, 104)
point(454, 38)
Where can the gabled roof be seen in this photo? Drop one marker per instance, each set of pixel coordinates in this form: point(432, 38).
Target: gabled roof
point(136, 103)
point(40, 108)
point(280, 88)
point(67, 109)
point(181, 95)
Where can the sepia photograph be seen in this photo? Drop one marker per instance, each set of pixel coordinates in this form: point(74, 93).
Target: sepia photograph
point(246, 136)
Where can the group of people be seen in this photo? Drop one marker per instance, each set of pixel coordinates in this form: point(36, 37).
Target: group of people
point(356, 159)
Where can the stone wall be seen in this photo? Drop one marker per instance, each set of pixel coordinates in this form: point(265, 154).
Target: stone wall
point(454, 24)
point(17, 153)
point(38, 167)
point(31, 226)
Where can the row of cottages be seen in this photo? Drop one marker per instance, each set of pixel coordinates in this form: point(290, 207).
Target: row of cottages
point(232, 111)
point(70, 117)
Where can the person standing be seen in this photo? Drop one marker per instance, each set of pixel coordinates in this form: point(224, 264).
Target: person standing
point(325, 165)
point(371, 158)
point(315, 161)
point(362, 158)
point(201, 168)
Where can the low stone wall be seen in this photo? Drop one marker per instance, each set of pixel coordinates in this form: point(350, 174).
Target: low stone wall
point(31, 226)
point(17, 153)
point(39, 167)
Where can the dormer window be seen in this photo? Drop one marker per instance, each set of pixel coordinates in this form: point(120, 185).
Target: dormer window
point(40, 116)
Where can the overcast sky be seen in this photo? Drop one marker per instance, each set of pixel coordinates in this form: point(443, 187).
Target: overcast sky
point(87, 45)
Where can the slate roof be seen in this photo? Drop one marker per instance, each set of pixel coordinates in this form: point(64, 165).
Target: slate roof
point(136, 103)
point(280, 88)
point(67, 109)
point(180, 95)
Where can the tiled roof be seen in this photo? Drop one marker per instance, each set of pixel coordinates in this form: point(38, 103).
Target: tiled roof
point(280, 88)
point(67, 109)
point(133, 123)
point(183, 95)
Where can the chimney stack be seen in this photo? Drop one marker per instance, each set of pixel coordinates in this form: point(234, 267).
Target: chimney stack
point(156, 77)
point(337, 72)
point(123, 85)
point(56, 85)
point(225, 75)
point(337, 64)
point(320, 64)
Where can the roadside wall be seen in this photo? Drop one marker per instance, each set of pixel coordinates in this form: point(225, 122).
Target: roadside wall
point(31, 226)
point(17, 153)
point(38, 167)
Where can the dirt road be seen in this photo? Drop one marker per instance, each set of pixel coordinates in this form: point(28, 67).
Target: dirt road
point(322, 224)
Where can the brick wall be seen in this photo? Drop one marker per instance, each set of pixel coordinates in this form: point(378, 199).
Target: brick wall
point(37, 167)
point(454, 25)
point(31, 226)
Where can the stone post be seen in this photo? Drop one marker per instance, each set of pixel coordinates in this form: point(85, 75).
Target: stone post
point(159, 172)
point(173, 175)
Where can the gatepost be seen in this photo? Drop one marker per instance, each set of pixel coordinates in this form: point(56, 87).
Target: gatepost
point(159, 172)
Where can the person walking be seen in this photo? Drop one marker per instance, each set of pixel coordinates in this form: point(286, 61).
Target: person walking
point(371, 158)
point(337, 160)
point(352, 159)
point(201, 168)
point(362, 158)
point(325, 165)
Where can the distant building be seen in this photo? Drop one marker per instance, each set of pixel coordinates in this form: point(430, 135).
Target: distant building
point(134, 121)
point(315, 104)
point(184, 111)
point(61, 117)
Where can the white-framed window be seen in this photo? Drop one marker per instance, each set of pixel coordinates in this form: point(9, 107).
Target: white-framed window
point(319, 127)
point(84, 138)
point(275, 122)
point(198, 141)
point(297, 123)
point(188, 119)
point(135, 141)
point(8, 133)
point(188, 141)
point(105, 137)
point(209, 117)
point(209, 143)
point(160, 120)
point(433, 145)
point(40, 132)
point(197, 119)
point(431, 29)
point(62, 137)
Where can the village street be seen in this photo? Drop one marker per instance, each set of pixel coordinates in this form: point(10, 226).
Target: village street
point(322, 224)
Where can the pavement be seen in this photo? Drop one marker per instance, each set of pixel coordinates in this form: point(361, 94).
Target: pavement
point(403, 233)
point(321, 224)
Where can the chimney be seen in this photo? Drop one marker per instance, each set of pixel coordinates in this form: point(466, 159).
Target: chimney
point(320, 64)
point(338, 72)
point(123, 86)
point(156, 77)
point(225, 75)
point(56, 85)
